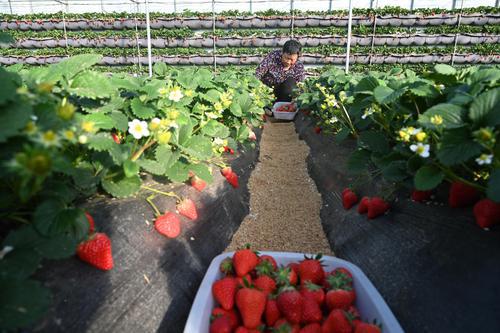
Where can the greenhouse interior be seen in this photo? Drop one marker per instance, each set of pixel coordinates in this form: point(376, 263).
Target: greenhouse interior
point(226, 166)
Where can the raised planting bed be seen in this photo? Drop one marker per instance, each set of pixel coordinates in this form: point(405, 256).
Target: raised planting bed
point(436, 269)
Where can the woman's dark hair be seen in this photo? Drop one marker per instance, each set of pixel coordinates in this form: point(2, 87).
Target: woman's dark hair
point(292, 47)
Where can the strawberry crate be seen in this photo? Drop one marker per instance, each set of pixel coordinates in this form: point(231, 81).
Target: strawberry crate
point(370, 303)
point(284, 115)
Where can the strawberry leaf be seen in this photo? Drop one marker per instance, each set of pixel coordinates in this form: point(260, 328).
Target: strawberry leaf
point(100, 120)
point(428, 177)
point(19, 264)
point(451, 114)
point(152, 166)
point(101, 141)
point(58, 246)
point(358, 161)
point(484, 108)
point(457, 147)
point(122, 187)
point(444, 69)
point(202, 171)
point(375, 141)
point(493, 190)
point(72, 222)
point(141, 110)
point(178, 172)
point(92, 85)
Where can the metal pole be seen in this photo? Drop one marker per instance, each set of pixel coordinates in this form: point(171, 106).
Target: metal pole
point(31, 6)
point(251, 9)
point(10, 7)
point(213, 37)
point(412, 5)
point(175, 6)
point(102, 6)
point(497, 3)
point(371, 4)
point(456, 35)
point(349, 29)
point(453, 4)
point(139, 65)
point(374, 32)
point(293, 18)
point(330, 6)
point(148, 33)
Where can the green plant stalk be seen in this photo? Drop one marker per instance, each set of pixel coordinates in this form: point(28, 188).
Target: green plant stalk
point(168, 194)
point(454, 177)
point(150, 201)
point(138, 153)
point(351, 125)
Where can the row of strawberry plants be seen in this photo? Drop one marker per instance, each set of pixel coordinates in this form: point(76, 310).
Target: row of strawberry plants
point(481, 49)
point(418, 131)
point(68, 132)
point(388, 10)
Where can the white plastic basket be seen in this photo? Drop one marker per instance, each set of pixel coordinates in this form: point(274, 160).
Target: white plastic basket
point(283, 115)
point(368, 300)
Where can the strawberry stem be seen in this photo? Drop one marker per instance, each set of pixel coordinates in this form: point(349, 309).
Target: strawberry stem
point(150, 201)
point(168, 194)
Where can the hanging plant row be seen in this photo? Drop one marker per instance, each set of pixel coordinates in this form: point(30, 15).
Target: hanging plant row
point(417, 131)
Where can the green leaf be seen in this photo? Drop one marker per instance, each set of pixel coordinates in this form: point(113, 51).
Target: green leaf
point(160, 69)
point(23, 303)
point(199, 147)
point(486, 107)
point(165, 156)
point(119, 153)
point(100, 120)
point(45, 214)
point(395, 171)
point(92, 85)
point(19, 264)
point(215, 129)
point(184, 133)
point(358, 161)
point(141, 110)
point(59, 246)
point(101, 141)
point(127, 83)
point(152, 166)
point(13, 118)
point(428, 177)
point(236, 109)
point(366, 85)
point(115, 104)
point(130, 168)
point(444, 69)
point(423, 89)
point(120, 120)
point(212, 96)
point(68, 68)
point(202, 171)
point(375, 141)
point(152, 88)
point(178, 172)
point(24, 237)
point(121, 187)
point(451, 114)
point(457, 146)
point(6, 38)
point(493, 190)
point(414, 163)
point(72, 222)
point(386, 95)
point(342, 134)
point(9, 86)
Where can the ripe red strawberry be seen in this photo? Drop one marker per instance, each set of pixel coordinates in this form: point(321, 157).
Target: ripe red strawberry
point(340, 298)
point(244, 261)
point(283, 326)
point(116, 138)
point(220, 324)
point(272, 313)
point(377, 207)
point(241, 280)
point(353, 312)
point(226, 266)
point(96, 251)
point(231, 314)
point(338, 278)
point(317, 129)
point(420, 196)
point(367, 328)
point(363, 205)
point(224, 291)
point(232, 179)
point(270, 259)
point(168, 224)
point(462, 195)
point(187, 208)
point(286, 276)
point(251, 303)
point(313, 291)
point(265, 283)
point(291, 303)
point(310, 269)
point(349, 199)
point(311, 311)
point(336, 322)
point(226, 171)
point(91, 223)
point(198, 183)
point(243, 329)
point(311, 328)
point(487, 213)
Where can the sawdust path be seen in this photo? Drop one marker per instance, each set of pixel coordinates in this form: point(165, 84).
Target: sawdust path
point(284, 201)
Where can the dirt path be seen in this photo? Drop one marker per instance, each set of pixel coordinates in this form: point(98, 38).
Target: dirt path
point(284, 201)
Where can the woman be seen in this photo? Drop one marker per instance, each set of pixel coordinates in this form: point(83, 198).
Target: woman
point(281, 70)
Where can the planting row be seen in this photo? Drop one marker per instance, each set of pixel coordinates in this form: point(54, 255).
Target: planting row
point(68, 132)
point(390, 40)
point(416, 132)
point(477, 19)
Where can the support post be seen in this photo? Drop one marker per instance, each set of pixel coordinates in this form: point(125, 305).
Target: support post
point(349, 29)
point(175, 6)
point(213, 37)
point(453, 4)
point(292, 25)
point(371, 3)
point(330, 6)
point(456, 35)
point(497, 3)
point(251, 7)
point(148, 33)
point(10, 7)
point(412, 5)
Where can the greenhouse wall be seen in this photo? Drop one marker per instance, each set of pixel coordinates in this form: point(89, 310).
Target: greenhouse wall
point(78, 6)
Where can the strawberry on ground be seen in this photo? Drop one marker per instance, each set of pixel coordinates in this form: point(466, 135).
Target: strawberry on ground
point(244, 261)
point(221, 324)
point(349, 198)
point(96, 251)
point(168, 225)
point(233, 179)
point(226, 171)
point(363, 205)
point(187, 208)
point(291, 303)
point(231, 314)
point(224, 291)
point(377, 207)
point(310, 269)
point(487, 213)
point(91, 222)
point(198, 183)
point(251, 303)
point(462, 195)
point(420, 196)
point(317, 129)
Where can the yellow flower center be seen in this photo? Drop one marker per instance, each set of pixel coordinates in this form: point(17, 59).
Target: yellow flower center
point(49, 136)
point(437, 120)
point(421, 136)
point(88, 126)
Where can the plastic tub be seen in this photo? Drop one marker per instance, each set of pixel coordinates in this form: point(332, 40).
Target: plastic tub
point(283, 115)
point(368, 300)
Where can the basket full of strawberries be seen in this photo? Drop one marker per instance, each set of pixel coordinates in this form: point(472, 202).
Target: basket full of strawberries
point(247, 291)
point(284, 110)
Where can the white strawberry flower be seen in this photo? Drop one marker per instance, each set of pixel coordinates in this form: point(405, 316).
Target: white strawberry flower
point(484, 159)
point(421, 149)
point(218, 141)
point(138, 128)
point(414, 131)
point(6, 249)
point(367, 112)
point(333, 120)
point(175, 94)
